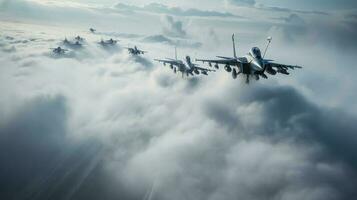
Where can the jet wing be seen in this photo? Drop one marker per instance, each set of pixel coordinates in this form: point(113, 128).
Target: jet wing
point(282, 66)
point(170, 62)
point(224, 61)
point(204, 69)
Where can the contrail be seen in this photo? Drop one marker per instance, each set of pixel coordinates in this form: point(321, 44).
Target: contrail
point(149, 193)
point(93, 163)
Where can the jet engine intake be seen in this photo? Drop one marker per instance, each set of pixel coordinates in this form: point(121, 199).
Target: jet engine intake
point(283, 71)
point(228, 68)
point(270, 70)
point(234, 73)
point(263, 75)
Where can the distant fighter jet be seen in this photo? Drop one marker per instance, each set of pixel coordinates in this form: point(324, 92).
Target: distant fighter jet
point(79, 38)
point(187, 68)
point(108, 42)
point(66, 41)
point(77, 44)
point(58, 50)
point(92, 30)
point(135, 51)
point(74, 44)
point(252, 64)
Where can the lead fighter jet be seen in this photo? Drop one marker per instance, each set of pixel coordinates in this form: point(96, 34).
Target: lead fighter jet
point(187, 68)
point(252, 64)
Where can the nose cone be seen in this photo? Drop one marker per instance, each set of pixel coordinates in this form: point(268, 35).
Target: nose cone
point(258, 64)
point(188, 59)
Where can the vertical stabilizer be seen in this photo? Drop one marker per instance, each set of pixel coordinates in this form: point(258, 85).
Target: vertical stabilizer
point(269, 39)
point(234, 47)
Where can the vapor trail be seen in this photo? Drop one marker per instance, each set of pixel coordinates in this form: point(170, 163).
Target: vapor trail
point(149, 193)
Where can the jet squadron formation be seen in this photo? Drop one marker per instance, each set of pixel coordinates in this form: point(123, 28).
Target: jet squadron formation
point(253, 64)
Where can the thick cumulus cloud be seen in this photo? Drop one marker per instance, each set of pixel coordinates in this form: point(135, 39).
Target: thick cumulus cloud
point(173, 27)
point(337, 32)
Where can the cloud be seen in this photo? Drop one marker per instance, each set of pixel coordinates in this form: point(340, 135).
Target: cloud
point(294, 19)
point(176, 11)
point(280, 156)
point(277, 154)
point(274, 9)
point(33, 135)
point(337, 32)
point(126, 126)
point(312, 121)
point(180, 42)
point(173, 27)
point(288, 10)
point(242, 2)
point(351, 16)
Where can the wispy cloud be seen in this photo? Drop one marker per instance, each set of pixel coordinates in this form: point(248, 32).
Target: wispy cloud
point(163, 9)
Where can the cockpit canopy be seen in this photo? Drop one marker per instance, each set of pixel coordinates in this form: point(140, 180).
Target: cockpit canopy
point(255, 52)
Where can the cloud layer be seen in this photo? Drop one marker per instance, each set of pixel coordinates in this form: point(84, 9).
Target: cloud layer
point(177, 11)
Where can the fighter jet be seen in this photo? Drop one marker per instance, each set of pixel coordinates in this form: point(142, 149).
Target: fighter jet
point(135, 51)
point(92, 30)
point(252, 64)
point(77, 44)
point(58, 50)
point(72, 44)
point(66, 41)
point(108, 42)
point(187, 68)
point(79, 38)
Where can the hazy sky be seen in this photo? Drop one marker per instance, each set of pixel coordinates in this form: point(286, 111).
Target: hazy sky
point(98, 123)
point(292, 4)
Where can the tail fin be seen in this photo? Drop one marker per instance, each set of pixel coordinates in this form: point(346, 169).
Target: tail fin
point(234, 47)
point(188, 61)
point(269, 39)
